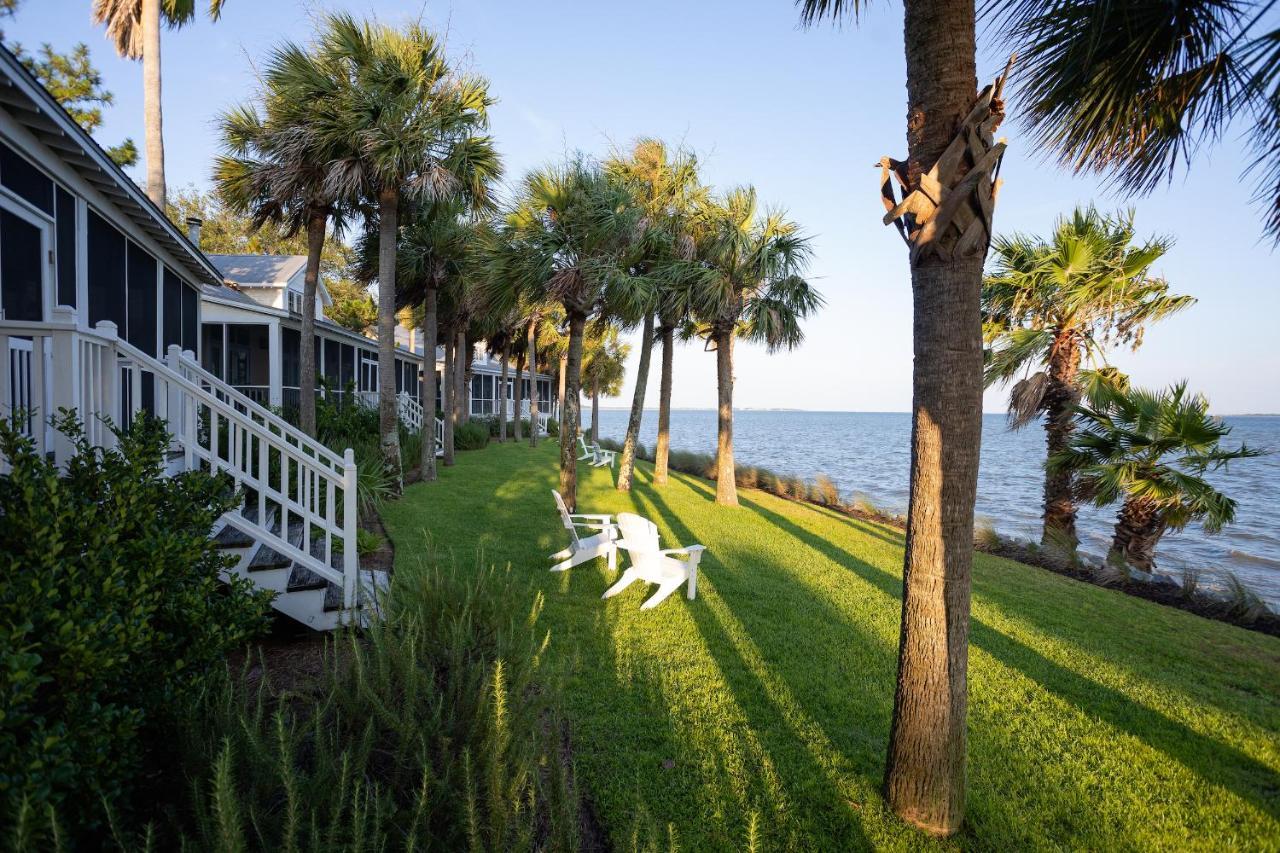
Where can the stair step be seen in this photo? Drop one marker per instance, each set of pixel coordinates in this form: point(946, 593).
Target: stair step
point(232, 537)
point(302, 578)
point(332, 598)
point(268, 558)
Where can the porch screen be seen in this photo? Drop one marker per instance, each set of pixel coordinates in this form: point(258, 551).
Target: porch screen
point(27, 181)
point(348, 366)
point(19, 268)
point(106, 273)
point(65, 235)
point(142, 298)
point(172, 310)
point(332, 359)
point(190, 317)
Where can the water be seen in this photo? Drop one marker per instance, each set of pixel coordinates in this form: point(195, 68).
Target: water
point(868, 454)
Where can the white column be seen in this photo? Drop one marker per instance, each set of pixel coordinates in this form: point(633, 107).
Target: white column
point(275, 373)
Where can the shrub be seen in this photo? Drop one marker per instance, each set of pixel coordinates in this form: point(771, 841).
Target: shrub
point(111, 612)
point(374, 484)
point(473, 435)
point(367, 542)
point(825, 492)
point(432, 731)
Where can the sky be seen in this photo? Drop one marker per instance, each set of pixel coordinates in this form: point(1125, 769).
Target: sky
point(801, 114)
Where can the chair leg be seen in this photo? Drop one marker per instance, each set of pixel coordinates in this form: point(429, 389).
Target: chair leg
point(560, 555)
point(613, 558)
point(661, 595)
point(629, 577)
point(693, 582)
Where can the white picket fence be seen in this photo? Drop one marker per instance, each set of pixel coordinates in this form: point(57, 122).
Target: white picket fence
point(296, 482)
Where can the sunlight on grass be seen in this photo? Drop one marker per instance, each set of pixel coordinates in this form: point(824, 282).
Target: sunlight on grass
point(1096, 720)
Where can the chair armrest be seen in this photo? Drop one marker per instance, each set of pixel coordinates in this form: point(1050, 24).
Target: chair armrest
point(592, 525)
point(599, 515)
point(692, 549)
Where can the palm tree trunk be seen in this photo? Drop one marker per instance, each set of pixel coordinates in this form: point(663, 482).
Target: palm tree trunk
point(307, 349)
point(628, 464)
point(430, 331)
point(573, 405)
point(726, 487)
point(502, 394)
point(388, 415)
point(1059, 502)
point(925, 770)
point(450, 403)
point(663, 447)
point(1138, 529)
point(519, 402)
point(153, 113)
point(533, 386)
point(563, 360)
point(461, 363)
point(595, 412)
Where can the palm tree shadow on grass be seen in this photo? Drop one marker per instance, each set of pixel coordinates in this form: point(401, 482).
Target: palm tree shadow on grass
point(1214, 761)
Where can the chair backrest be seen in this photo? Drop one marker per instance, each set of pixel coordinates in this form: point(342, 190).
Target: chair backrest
point(640, 535)
point(582, 444)
point(564, 516)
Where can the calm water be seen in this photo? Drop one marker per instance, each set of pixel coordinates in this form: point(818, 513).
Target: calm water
point(867, 453)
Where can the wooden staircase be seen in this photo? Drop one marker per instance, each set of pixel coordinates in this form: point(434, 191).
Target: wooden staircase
point(301, 593)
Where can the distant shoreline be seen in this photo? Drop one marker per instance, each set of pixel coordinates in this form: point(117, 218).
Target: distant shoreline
point(586, 411)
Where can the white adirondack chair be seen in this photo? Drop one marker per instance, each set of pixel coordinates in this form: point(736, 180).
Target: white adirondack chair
point(603, 458)
point(651, 565)
point(602, 543)
point(585, 451)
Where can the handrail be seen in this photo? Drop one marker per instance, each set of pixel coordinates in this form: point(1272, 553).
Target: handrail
point(101, 375)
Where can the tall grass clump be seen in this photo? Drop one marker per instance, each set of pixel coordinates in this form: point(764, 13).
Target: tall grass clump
point(431, 730)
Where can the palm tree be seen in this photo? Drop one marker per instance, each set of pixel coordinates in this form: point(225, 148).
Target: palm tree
point(575, 227)
point(1149, 450)
point(276, 170)
point(1049, 307)
point(404, 126)
point(666, 187)
point(1114, 86)
point(750, 287)
point(603, 369)
point(134, 27)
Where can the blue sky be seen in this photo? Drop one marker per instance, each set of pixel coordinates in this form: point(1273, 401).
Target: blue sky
point(803, 115)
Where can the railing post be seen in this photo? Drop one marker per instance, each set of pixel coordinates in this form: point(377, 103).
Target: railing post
point(66, 382)
point(350, 557)
point(112, 406)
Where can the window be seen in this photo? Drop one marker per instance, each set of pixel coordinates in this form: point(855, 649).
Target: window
point(65, 230)
point(211, 352)
point(332, 359)
point(295, 301)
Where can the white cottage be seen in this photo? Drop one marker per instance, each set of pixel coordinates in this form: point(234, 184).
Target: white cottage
point(100, 312)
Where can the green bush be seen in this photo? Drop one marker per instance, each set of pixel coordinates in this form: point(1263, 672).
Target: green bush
point(473, 435)
point(111, 611)
point(432, 731)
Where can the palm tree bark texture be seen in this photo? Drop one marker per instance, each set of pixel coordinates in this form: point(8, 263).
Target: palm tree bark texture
point(430, 322)
point(388, 410)
point(1059, 405)
point(316, 220)
point(950, 146)
point(450, 410)
point(572, 410)
point(726, 487)
point(502, 394)
point(663, 448)
point(1139, 526)
point(532, 347)
point(462, 364)
point(151, 94)
point(519, 398)
point(627, 466)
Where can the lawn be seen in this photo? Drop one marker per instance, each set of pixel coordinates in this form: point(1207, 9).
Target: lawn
point(761, 710)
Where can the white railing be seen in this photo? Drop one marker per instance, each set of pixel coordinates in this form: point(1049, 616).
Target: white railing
point(410, 411)
point(310, 490)
point(411, 414)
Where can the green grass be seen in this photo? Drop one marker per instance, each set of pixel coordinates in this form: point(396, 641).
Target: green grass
point(1096, 720)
